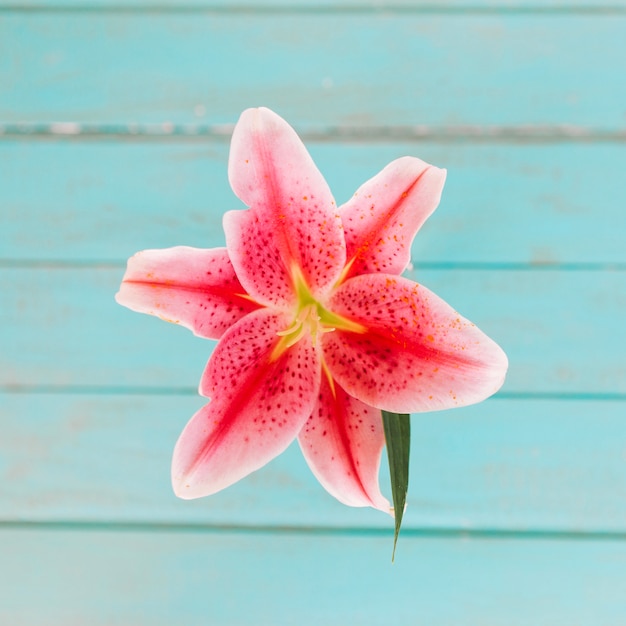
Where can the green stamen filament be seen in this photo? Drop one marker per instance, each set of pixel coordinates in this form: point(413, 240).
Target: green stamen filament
point(310, 317)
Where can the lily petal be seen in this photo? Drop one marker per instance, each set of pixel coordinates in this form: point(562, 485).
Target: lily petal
point(293, 212)
point(384, 215)
point(195, 288)
point(418, 354)
point(342, 442)
point(258, 407)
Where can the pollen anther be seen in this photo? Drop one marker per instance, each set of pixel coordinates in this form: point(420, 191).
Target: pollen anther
point(311, 317)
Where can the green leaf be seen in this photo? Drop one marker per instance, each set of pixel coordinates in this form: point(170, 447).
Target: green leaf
point(398, 438)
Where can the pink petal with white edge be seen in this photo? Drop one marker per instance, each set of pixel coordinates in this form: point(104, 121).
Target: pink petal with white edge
point(195, 288)
point(292, 209)
point(418, 354)
point(258, 406)
point(382, 218)
point(342, 442)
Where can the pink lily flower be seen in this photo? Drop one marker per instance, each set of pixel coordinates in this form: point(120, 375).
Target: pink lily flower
point(317, 329)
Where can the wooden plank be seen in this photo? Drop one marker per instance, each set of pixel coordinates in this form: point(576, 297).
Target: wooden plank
point(103, 200)
point(163, 578)
point(317, 70)
point(563, 331)
point(505, 465)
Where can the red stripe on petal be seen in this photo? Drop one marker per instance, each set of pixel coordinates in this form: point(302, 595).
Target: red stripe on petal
point(272, 172)
point(258, 406)
point(418, 354)
point(382, 218)
point(342, 442)
point(195, 288)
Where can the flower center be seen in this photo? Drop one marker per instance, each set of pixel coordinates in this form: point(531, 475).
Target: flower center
point(310, 317)
point(307, 318)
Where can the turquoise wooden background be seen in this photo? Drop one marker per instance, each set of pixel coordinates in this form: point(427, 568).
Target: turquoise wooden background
point(115, 118)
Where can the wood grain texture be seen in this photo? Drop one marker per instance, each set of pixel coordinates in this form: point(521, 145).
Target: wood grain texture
point(161, 578)
point(506, 465)
point(104, 200)
point(494, 70)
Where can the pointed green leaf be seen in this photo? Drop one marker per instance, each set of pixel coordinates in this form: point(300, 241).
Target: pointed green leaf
point(397, 428)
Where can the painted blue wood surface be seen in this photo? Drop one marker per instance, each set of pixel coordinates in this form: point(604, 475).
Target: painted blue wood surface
point(114, 125)
point(528, 203)
point(465, 6)
point(317, 70)
point(507, 465)
point(162, 578)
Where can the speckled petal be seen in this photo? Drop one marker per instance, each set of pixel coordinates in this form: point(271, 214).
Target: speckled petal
point(382, 218)
point(342, 442)
point(292, 210)
point(418, 354)
point(259, 262)
point(195, 288)
point(257, 409)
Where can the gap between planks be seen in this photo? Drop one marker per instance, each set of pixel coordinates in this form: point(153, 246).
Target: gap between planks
point(138, 390)
point(112, 264)
point(426, 532)
point(166, 131)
